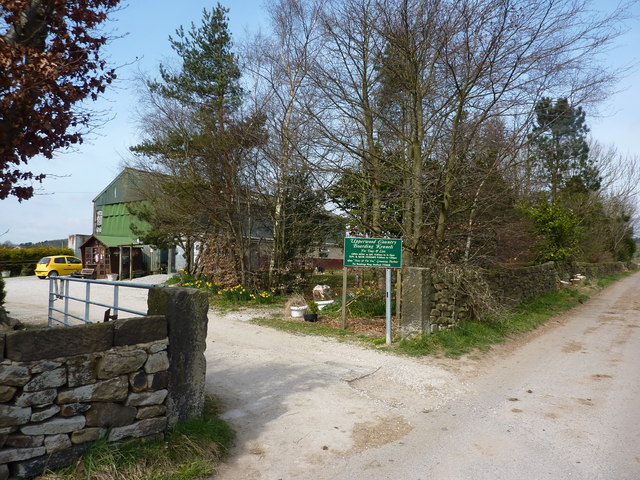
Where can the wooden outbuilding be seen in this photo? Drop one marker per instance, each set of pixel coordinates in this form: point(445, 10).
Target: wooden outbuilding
point(112, 255)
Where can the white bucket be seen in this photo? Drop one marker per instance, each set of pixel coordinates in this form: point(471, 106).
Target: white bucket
point(323, 303)
point(298, 311)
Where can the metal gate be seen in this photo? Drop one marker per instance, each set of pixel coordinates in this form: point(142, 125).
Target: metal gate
point(61, 299)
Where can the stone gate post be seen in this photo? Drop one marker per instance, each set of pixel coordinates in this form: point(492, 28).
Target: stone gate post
point(186, 312)
point(416, 301)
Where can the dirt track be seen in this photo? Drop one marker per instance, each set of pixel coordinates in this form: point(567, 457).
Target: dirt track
point(563, 402)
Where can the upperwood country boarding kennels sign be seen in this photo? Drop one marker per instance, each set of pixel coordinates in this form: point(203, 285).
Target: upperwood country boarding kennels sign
point(373, 252)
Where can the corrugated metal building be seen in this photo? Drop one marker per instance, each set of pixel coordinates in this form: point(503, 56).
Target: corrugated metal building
point(114, 248)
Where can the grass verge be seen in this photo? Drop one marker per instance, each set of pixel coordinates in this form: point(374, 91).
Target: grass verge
point(225, 305)
point(191, 451)
point(482, 334)
point(296, 326)
point(322, 329)
point(465, 338)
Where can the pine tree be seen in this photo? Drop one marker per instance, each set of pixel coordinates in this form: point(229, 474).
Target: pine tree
point(560, 152)
point(197, 136)
point(209, 77)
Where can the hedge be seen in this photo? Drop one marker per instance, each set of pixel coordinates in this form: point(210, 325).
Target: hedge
point(22, 261)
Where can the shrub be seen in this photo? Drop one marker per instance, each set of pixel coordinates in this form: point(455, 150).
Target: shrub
point(362, 303)
point(557, 229)
point(19, 260)
point(313, 307)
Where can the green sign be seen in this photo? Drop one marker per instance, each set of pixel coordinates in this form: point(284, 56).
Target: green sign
point(373, 252)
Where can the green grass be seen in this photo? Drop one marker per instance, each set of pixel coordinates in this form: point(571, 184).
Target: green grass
point(191, 451)
point(466, 337)
point(482, 334)
point(299, 327)
point(223, 304)
point(607, 280)
point(361, 303)
point(321, 329)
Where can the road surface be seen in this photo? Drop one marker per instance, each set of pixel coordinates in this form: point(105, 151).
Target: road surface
point(561, 402)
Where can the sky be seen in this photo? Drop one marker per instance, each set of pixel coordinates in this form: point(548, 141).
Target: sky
point(63, 203)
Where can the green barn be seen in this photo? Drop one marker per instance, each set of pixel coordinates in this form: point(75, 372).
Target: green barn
point(114, 250)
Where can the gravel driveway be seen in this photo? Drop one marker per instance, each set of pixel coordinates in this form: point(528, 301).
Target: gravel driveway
point(561, 402)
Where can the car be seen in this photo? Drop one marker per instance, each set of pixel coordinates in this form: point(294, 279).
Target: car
point(55, 265)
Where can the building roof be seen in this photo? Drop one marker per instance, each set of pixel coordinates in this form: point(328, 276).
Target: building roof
point(130, 185)
point(113, 241)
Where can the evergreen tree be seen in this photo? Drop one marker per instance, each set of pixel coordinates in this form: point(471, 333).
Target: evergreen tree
point(209, 77)
point(557, 229)
point(197, 137)
point(560, 152)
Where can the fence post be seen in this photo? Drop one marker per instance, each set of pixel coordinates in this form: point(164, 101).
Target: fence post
point(186, 312)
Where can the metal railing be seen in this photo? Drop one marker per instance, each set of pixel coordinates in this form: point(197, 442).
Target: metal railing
point(59, 291)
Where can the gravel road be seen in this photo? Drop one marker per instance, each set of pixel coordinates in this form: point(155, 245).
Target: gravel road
point(561, 402)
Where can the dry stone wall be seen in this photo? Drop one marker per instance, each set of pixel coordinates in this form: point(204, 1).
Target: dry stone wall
point(63, 388)
point(594, 270)
point(437, 301)
point(511, 286)
point(449, 305)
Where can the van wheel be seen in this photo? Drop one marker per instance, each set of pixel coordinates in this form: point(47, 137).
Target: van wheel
point(53, 273)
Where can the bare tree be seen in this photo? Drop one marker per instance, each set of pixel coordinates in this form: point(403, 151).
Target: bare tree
point(617, 198)
point(277, 68)
point(444, 70)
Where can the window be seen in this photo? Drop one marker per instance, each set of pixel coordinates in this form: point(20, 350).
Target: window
point(59, 260)
point(99, 221)
point(73, 261)
point(90, 255)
